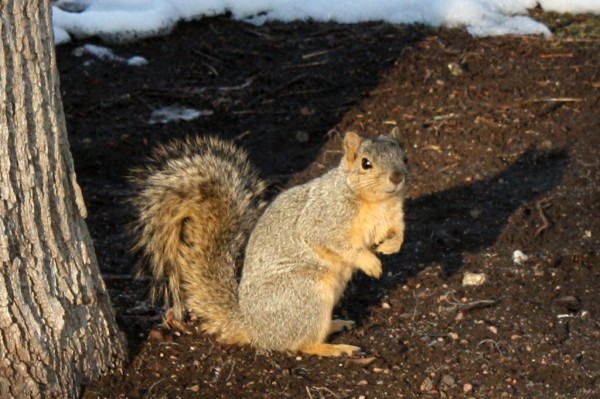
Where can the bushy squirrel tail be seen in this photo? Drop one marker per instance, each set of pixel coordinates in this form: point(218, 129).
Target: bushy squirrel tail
point(197, 202)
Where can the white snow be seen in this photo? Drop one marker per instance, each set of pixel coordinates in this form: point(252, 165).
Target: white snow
point(126, 20)
point(176, 113)
point(106, 54)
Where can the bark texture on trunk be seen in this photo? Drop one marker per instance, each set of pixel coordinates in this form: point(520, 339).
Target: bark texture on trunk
point(57, 326)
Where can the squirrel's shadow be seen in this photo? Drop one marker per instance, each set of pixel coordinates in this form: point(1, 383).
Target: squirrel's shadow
point(444, 226)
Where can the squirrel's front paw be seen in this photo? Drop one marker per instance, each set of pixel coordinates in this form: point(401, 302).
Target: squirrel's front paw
point(389, 247)
point(392, 243)
point(372, 267)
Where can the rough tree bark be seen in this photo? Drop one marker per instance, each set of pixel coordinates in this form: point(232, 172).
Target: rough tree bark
point(57, 327)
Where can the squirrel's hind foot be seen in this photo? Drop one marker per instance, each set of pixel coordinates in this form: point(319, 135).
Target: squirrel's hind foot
point(330, 350)
point(171, 323)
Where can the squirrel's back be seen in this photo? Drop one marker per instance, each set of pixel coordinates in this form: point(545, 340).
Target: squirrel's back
point(197, 202)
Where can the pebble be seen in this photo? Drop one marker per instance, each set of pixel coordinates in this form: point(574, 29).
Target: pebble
point(473, 279)
point(467, 388)
point(448, 380)
point(302, 137)
point(519, 257)
point(455, 68)
point(475, 213)
point(427, 385)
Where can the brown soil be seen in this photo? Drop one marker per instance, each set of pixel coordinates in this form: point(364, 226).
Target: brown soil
point(502, 136)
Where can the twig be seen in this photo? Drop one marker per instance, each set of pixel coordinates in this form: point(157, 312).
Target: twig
point(493, 342)
point(307, 64)
point(414, 317)
point(556, 55)
point(577, 40)
point(278, 88)
point(242, 135)
point(447, 167)
point(212, 68)
point(482, 303)
point(540, 206)
point(153, 385)
point(203, 54)
point(555, 100)
point(230, 371)
point(259, 34)
point(315, 54)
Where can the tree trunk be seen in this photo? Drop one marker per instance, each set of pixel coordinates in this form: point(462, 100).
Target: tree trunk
point(57, 327)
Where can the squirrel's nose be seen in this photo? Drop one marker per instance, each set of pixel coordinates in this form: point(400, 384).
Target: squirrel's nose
point(397, 177)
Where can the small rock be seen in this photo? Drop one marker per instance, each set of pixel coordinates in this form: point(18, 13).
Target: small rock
point(385, 305)
point(156, 335)
point(569, 302)
point(519, 257)
point(475, 213)
point(455, 68)
point(427, 385)
point(585, 315)
point(546, 145)
point(302, 137)
point(473, 279)
point(493, 329)
point(194, 388)
point(159, 334)
point(448, 380)
point(307, 111)
point(467, 388)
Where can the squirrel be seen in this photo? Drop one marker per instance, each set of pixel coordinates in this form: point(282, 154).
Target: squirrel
point(200, 203)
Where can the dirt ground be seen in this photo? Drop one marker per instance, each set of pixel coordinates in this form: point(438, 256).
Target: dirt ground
point(502, 136)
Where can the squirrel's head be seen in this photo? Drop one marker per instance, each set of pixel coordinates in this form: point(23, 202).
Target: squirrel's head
point(376, 168)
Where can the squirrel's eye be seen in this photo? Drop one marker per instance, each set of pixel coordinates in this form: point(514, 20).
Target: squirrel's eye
point(366, 164)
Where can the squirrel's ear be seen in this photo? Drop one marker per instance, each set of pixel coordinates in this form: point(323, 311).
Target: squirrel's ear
point(351, 143)
point(395, 133)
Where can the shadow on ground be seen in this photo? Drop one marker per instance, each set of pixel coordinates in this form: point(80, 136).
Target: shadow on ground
point(442, 227)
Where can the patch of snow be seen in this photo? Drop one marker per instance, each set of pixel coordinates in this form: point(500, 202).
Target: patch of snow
point(176, 113)
point(126, 20)
point(106, 54)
